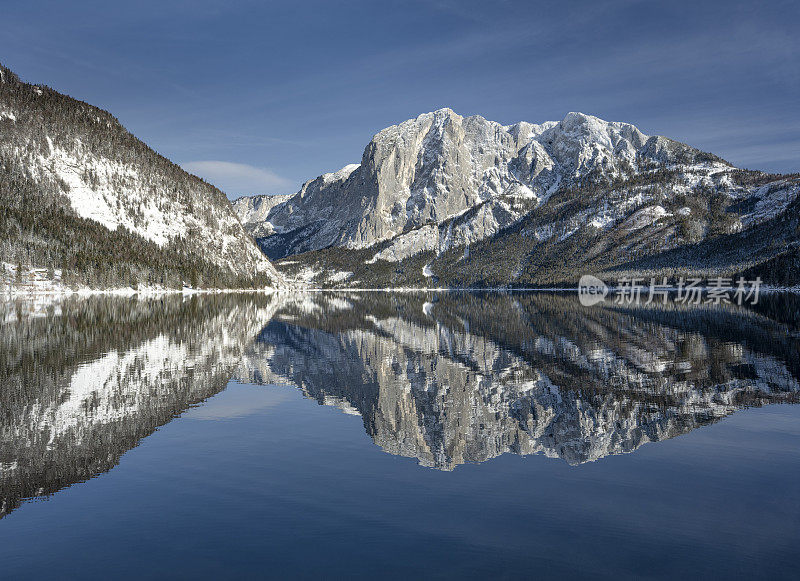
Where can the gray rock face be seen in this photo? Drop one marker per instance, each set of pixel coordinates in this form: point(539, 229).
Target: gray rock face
point(430, 170)
point(252, 212)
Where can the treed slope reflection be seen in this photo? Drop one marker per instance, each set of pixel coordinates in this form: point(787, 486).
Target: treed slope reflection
point(456, 378)
point(82, 381)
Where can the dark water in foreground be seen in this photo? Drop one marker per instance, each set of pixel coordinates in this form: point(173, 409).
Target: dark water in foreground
point(459, 436)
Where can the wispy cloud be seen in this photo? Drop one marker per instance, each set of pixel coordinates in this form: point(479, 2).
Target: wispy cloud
point(239, 178)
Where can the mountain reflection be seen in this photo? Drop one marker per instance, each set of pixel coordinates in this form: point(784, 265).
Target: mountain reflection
point(443, 378)
point(83, 380)
point(455, 378)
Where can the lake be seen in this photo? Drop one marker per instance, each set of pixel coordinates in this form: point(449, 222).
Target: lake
point(433, 435)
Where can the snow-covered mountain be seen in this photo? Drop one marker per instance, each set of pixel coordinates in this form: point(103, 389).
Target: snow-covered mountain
point(252, 211)
point(441, 182)
point(426, 170)
point(81, 193)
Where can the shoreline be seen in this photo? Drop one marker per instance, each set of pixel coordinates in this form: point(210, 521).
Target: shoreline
point(130, 292)
point(7, 295)
point(611, 289)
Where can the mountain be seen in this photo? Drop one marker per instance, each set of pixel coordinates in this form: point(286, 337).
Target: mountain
point(463, 201)
point(252, 211)
point(83, 199)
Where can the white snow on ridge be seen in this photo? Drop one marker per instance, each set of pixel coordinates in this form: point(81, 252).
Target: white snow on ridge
point(772, 199)
point(94, 200)
point(339, 276)
point(645, 217)
point(116, 194)
point(342, 174)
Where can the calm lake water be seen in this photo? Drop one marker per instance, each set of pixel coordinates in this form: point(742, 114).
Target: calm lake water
point(398, 435)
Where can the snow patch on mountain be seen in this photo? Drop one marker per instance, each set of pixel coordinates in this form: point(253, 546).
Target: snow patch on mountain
point(252, 212)
point(93, 195)
point(770, 201)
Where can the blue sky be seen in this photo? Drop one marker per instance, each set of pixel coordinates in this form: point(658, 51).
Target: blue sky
point(260, 96)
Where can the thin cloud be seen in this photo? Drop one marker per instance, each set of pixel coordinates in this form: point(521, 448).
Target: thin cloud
point(239, 179)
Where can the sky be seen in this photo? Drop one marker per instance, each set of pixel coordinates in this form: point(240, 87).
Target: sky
point(258, 97)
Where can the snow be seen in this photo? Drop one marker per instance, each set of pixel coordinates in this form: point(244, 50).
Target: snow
point(645, 217)
point(251, 209)
point(30, 281)
point(772, 199)
point(602, 220)
point(342, 174)
point(86, 201)
point(36, 283)
point(436, 191)
point(409, 244)
point(339, 276)
point(116, 194)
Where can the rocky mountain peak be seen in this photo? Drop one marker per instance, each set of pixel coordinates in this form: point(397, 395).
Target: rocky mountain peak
point(441, 180)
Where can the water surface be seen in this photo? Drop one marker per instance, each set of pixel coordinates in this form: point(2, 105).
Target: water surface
point(458, 435)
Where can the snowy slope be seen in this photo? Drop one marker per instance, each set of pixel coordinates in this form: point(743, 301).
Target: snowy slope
point(80, 157)
point(252, 212)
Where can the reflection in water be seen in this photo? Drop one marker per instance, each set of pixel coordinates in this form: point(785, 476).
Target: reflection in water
point(444, 378)
point(465, 378)
point(84, 380)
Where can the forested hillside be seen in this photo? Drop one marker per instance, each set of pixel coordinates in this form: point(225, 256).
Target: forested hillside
point(83, 198)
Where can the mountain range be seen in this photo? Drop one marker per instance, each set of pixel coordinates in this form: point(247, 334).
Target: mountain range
point(462, 201)
point(440, 200)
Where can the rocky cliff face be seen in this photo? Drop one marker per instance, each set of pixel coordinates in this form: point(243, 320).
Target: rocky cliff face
point(426, 170)
point(440, 164)
point(252, 212)
point(78, 190)
point(442, 183)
